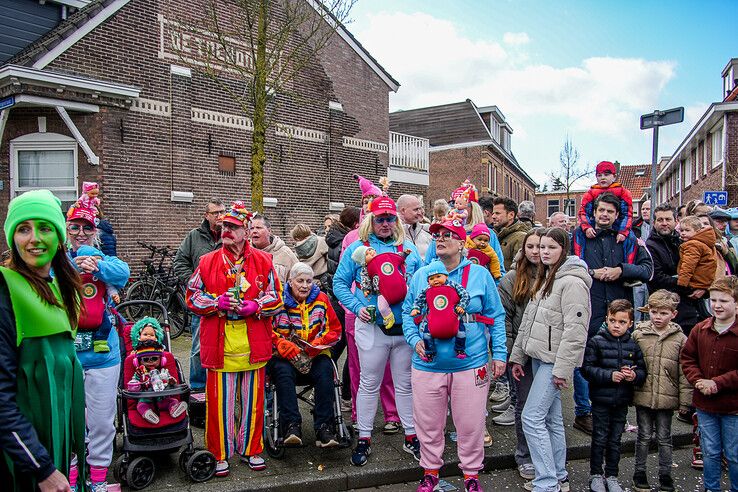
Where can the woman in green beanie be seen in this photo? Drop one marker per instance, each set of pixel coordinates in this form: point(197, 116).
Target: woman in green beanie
point(42, 399)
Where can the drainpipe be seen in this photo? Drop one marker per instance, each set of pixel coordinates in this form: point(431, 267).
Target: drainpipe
point(725, 148)
point(681, 181)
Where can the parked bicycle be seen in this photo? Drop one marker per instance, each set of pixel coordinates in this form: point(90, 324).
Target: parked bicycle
point(157, 282)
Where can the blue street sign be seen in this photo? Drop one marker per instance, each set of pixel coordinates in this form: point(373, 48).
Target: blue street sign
point(719, 198)
point(7, 102)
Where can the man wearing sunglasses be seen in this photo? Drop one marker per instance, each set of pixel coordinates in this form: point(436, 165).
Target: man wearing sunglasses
point(198, 242)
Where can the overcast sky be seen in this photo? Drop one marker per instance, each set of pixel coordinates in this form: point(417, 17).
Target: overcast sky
point(587, 69)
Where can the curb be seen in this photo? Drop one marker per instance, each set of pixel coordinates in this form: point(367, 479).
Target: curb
point(399, 471)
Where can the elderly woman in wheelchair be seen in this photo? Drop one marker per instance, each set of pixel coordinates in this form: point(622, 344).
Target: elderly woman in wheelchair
point(303, 333)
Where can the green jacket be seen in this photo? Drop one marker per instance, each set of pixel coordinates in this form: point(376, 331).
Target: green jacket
point(197, 243)
point(511, 240)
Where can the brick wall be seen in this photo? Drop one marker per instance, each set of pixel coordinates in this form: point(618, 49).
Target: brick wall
point(146, 156)
point(542, 200)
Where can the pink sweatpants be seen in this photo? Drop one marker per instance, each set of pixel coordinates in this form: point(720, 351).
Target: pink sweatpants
point(386, 391)
point(467, 391)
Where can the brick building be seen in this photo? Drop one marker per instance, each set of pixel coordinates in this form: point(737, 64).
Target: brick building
point(467, 141)
point(637, 179)
point(99, 94)
point(707, 158)
point(549, 202)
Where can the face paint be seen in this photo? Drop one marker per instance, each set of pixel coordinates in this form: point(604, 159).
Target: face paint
point(37, 242)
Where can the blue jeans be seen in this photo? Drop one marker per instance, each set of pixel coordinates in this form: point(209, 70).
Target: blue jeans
point(582, 405)
point(286, 378)
point(543, 425)
point(718, 436)
point(197, 373)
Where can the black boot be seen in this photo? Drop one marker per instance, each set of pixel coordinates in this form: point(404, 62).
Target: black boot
point(666, 483)
point(640, 482)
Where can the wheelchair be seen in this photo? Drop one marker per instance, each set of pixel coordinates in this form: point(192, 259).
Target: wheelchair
point(273, 438)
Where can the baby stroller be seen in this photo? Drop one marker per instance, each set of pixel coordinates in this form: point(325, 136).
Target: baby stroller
point(273, 438)
point(142, 439)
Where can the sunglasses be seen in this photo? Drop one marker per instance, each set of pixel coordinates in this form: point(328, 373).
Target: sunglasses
point(150, 359)
point(444, 235)
point(87, 230)
point(390, 219)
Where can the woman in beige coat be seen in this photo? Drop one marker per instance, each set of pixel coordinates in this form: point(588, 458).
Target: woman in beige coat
point(553, 334)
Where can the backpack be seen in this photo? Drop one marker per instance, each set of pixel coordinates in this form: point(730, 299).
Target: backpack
point(389, 270)
point(93, 302)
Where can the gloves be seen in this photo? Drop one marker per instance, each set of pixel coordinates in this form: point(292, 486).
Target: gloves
point(224, 302)
point(317, 342)
point(247, 308)
point(287, 349)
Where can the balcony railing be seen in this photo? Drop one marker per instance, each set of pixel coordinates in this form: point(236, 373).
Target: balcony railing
point(408, 153)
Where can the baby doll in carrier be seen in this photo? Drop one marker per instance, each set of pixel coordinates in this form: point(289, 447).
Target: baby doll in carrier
point(149, 359)
point(94, 299)
point(382, 274)
point(443, 304)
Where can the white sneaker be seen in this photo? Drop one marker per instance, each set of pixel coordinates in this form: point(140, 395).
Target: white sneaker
point(597, 483)
point(151, 416)
point(527, 471)
point(502, 406)
point(613, 485)
point(178, 409)
point(500, 393)
point(505, 418)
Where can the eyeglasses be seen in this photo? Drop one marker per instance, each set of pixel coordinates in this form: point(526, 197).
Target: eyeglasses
point(216, 212)
point(87, 230)
point(390, 219)
point(151, 359)
point(445, 235)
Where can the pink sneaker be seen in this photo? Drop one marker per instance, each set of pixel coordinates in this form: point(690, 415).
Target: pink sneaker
point(177, 409)
point(429, 483)
point(472, 485)
point(460, 355)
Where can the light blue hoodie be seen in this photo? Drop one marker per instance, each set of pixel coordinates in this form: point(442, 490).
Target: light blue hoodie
point(349, 272)
point(483, 299)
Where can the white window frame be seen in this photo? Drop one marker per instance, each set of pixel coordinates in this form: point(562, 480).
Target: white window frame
point(494, 128)
point(571, 212)
point(687, 171)
point(550, 202)
point(716, 136)
point(705, 162)
point(39, 142)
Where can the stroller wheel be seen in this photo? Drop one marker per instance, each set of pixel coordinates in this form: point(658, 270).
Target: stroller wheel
point(184, 456)
point(201, 466)
point(120, 467)
point(140, 472)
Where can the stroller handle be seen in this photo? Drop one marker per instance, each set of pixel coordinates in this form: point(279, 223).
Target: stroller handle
point(144, 302)
point(178, 390)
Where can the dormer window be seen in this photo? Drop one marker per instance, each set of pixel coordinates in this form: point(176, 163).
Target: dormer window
point(640, 172)
point(730, 76)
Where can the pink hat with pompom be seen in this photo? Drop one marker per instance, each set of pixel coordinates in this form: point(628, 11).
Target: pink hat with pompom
point(367, 187)
point(480, 229)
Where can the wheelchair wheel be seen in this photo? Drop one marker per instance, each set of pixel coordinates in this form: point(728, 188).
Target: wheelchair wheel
point(140, 472)
point(273, 448)
point(201, 466)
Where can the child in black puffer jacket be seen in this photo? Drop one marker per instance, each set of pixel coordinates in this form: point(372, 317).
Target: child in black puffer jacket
point(613, 365)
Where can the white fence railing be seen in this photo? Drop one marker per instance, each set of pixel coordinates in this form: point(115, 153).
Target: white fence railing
point(407, 152)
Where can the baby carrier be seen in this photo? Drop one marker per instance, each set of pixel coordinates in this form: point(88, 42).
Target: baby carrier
point(387, 270)
point(478, 258)
point(93, 300)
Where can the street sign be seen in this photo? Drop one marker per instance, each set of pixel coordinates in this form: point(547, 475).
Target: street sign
point(662, 118)
point(655, 120)
point(719, 198)
point(7, 102)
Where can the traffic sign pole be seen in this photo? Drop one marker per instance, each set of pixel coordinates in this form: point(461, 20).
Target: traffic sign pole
point(654, 171)
point(655, 120)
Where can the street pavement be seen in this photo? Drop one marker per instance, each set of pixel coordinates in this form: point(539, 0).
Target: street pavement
point(686, 479)
point(330, 469)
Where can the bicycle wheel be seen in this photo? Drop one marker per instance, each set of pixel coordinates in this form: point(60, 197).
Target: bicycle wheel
point(141, 290)
point(178, 314)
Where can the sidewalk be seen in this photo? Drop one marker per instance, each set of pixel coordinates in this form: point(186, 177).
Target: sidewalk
point(317, 469)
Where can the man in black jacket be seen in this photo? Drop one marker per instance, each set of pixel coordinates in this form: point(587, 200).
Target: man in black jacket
point(613, 267)
point(198, 242)
point(663, 244)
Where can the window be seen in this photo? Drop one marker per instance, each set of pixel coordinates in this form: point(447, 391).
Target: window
point(705, 162)
point(494, 128)
point(44, 160)
point(570, 206)
point(553, 206)
point(717, 147)
point(687, 171)
point(506, 140)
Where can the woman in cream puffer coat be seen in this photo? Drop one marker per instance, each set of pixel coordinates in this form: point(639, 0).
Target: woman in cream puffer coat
point(553, 335)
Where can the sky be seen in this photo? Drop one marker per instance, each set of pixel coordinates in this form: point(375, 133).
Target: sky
point(582, 69)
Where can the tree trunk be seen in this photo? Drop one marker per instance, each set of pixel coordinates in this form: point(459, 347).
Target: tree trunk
point(259, 90)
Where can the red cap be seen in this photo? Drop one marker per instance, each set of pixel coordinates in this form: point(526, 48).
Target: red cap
point(86, 214)
point(454, 226)
point(383, 205)
point(605, 167)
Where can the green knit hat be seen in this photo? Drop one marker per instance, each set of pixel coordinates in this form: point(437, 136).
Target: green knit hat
point(35, 204)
